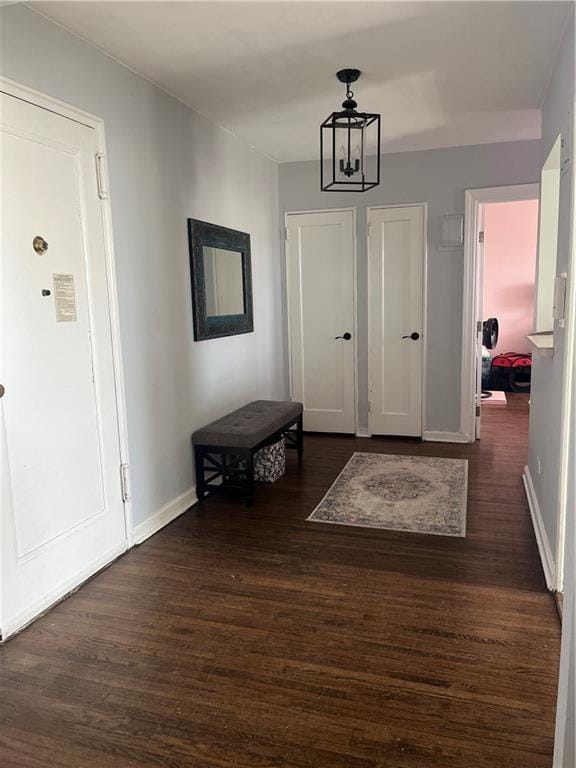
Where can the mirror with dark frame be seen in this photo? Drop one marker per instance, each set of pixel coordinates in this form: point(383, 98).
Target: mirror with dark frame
point(221, 273)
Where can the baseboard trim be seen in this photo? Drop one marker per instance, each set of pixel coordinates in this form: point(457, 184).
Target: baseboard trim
point(548, 565)
point(363, 432)
point(165, 515)
point(61, 592)
point(446, 437)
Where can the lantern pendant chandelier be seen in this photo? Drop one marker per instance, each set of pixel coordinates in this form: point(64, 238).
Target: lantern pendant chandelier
point(349, 145)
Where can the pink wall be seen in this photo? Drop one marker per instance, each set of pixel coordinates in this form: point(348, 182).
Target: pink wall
point(510, 241)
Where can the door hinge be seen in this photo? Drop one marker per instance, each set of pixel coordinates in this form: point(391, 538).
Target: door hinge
point(286, 233)
point(480, 237)
point(477, 411)
point(369, 229)
point(125, 481)
point(479, 325)
point(369, 407)
point(100, 177)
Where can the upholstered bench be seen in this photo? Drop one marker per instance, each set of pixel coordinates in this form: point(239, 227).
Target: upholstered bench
point(224, 450)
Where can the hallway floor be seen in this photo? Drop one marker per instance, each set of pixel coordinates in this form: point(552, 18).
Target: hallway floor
point(248, 638)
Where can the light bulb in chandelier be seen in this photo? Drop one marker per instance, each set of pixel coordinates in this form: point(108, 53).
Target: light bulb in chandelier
point(349, 165)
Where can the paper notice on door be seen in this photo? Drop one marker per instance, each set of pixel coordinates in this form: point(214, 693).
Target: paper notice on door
point(64, 298)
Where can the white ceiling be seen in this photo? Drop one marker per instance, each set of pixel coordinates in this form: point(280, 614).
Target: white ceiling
point(441, 73)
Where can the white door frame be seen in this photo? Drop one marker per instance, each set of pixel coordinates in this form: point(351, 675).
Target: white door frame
point(475, 199)
point(424, 206)
point(38, 99)
point(353, 211)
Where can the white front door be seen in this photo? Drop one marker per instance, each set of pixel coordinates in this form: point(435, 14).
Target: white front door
point(395, 306)
point(321, 277)
point(62, 508)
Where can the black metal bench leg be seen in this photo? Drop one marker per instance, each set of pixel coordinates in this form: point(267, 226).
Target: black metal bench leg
point(300, 439)
point(199, 462)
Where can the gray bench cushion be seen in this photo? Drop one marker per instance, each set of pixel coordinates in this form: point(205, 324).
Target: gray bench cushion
point(249, 425)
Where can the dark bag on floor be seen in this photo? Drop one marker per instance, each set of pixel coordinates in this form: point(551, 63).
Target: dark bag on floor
point(512, 369)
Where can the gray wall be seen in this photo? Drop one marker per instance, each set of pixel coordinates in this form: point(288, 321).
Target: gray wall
point(548, 373)
point(166, 164)
point(438, 177)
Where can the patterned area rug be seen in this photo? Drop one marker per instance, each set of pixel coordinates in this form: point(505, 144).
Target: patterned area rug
point(400, 493)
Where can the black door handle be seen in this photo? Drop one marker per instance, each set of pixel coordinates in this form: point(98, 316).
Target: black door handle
point(414, 336)
point(346, 336)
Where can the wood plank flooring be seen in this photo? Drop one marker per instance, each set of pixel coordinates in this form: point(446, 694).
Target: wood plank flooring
point(248, 638)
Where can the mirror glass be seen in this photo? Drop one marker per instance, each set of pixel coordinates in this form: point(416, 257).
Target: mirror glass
point(223, 281)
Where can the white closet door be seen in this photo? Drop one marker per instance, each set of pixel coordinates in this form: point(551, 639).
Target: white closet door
point(395, 289)
point(321, 278)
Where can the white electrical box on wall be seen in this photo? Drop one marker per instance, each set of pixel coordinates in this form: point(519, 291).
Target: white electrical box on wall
point(452, 231)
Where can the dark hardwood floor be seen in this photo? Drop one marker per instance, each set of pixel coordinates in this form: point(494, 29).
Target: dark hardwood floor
point(248, 638)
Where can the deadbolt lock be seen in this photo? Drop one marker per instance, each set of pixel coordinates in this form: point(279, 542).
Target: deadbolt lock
point(40, 245)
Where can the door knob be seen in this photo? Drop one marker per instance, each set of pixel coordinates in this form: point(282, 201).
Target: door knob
point(2, 390)
point(346, 336)
point(414, 336)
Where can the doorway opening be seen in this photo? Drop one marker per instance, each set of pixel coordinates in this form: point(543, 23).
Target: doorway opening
point(508, 257)
point(507, 301)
